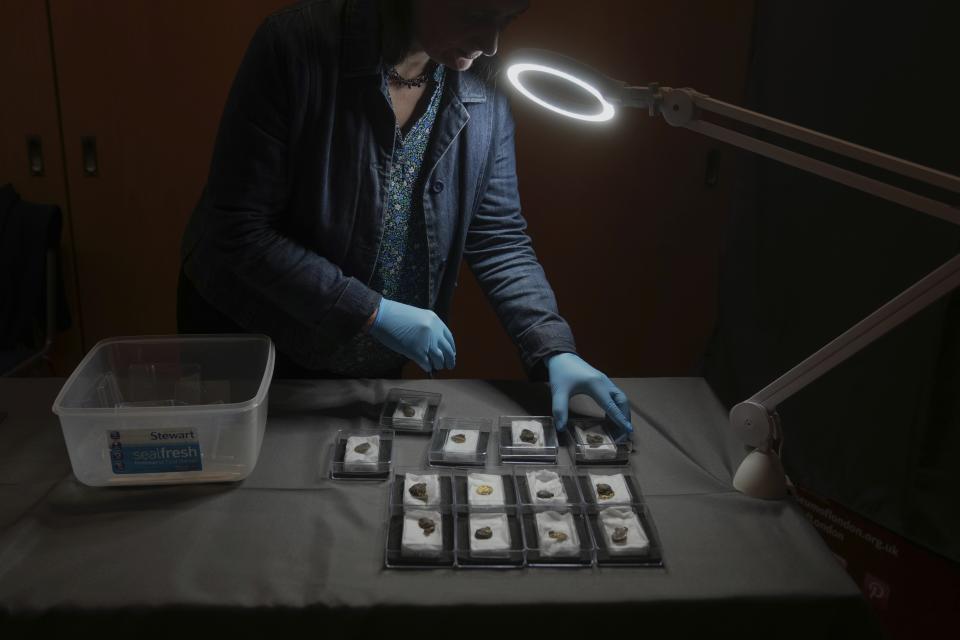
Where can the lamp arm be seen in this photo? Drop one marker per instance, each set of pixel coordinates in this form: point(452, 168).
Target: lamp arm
point(649, 97)
point(931, 288)
point(755, 419)
point(885, 161)
point(825, 170)
point(682, 107)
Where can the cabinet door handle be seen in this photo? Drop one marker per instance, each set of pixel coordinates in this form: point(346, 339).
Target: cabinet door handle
point(89, 146)
point(35, 155)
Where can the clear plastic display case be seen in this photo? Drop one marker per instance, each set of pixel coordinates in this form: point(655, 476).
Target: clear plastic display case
point(527, 439)
point(624, 536)
point(557, 537)
point(420, 489)
point(460, 442)
point(604, 487)
point(480, 490)
point(489, 539)
point(597, 441)
point(362, 454)
point(420, 538)
point(546, 487)
point(410, 410)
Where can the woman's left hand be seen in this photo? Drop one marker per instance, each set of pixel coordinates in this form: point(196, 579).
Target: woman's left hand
point(570, 375)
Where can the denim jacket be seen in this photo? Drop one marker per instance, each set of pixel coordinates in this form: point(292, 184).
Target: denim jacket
point(285, 237)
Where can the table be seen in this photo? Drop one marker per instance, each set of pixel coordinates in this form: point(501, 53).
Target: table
point(289, 547)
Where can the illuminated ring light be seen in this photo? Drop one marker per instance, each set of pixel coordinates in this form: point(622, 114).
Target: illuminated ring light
point(513, 73)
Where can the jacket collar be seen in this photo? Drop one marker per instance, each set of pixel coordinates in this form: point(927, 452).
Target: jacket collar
point(361, 51)
point(468, 87)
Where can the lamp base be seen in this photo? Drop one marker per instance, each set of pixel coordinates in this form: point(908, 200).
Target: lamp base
point(761, 475)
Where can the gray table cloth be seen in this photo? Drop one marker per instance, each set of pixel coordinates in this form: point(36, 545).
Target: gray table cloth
point(288, 546)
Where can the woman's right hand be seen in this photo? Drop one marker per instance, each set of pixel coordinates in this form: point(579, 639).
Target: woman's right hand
point(415, 333)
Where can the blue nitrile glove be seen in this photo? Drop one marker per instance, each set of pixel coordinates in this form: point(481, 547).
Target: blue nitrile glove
point(570, 375)
point(415, 333)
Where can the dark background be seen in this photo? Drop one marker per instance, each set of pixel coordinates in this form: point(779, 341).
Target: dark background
point(659, 273)
point(805, 259)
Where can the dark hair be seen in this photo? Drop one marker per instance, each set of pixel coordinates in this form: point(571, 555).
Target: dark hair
point(397, 39)
point(396, 30)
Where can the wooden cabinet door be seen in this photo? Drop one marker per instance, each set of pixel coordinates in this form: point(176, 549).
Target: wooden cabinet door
point(28, 109)
point(147, 82)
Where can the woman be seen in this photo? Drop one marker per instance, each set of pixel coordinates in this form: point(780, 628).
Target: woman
point(363, 152)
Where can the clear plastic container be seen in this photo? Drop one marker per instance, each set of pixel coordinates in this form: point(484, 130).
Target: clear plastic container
point(624, 536)
point(557, 537)
point(420, 489)
point(167, 409)
point(489, 539)
point(484, 491)
point(460, 442)
point(410, 410)
point(362, 454)
point(542, 487)
point(605, 487)
point(527, 439)
point(597, 441)
point(421, 538)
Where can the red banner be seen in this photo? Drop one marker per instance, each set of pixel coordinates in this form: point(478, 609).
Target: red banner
point(915, 593)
